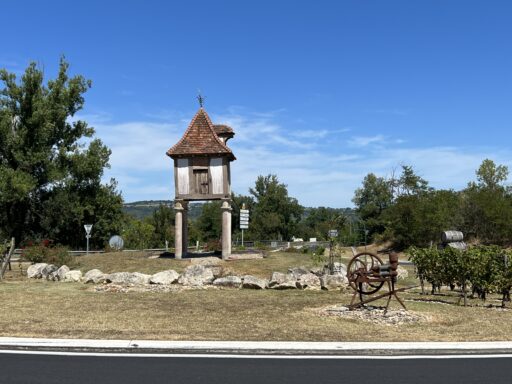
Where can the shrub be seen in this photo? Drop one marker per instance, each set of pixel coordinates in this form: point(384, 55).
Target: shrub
point(318, 259)
point(213, 245)
point(57, 255)
point(34, 254)
point(261, 246)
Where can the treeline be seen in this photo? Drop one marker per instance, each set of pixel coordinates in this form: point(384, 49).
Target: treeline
point(408, 212)
point(274, 215)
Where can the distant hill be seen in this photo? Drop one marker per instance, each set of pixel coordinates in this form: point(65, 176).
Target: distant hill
point(145, 208)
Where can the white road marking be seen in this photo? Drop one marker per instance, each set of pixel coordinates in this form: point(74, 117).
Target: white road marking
point(231, 356)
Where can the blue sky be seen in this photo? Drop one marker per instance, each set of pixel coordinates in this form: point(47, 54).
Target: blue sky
point(318, 92)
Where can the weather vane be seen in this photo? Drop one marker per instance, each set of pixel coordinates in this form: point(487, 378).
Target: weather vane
point(200, 98)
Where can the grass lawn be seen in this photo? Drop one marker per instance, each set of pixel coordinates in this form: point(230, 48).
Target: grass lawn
point(34, 308)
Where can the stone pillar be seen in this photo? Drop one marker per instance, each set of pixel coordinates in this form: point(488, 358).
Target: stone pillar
point(226, 229)
point(178, 227)
point(184, 249)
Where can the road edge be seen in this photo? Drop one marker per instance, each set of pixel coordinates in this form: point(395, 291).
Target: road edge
point(256, 347)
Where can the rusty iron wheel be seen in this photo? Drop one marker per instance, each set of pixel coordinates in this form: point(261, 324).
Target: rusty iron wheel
point(362, 263)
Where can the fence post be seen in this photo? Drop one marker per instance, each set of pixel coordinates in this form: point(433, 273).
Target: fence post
point(7, 259)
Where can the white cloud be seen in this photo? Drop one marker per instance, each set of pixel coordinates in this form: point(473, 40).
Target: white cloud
point(316, 174)
point(364, 141)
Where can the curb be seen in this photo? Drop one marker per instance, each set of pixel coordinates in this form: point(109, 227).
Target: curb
point(266, 348)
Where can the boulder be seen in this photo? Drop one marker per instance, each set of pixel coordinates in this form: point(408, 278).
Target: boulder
point(128, 278)
point(282, 281)
point(137, 278)
point(333, 282)
point(196, 276)
point(340, 268)
point(59, 274)
point(318, 271)
point(298, 271)
point(402, 273)
point(253, 282)
point(46, 272)
point(309, 281)
point(118, 277)
point(210, 261)
point(73, 276)
point(34, 271)
point(164, 277)
point(217, 271)
point(228, 281)
point(94, 276)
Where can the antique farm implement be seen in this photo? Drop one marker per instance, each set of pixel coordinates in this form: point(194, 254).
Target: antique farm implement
point(367, 274)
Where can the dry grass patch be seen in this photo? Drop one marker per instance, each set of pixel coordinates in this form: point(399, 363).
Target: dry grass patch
point(141, 262)
point(46, 309)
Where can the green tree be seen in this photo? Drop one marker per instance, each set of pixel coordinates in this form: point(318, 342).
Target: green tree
point(491, 176)
point(318, 221)
point(371, 200)
point(137, 234)
point(163, 222)
point(487, 205)
point(50, 179)
point(409, 183)
point(417, 220)
point(275, 214)
point(209, 224)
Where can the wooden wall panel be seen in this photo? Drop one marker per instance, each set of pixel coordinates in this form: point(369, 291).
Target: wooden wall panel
point(217, 175)
point(183, 177)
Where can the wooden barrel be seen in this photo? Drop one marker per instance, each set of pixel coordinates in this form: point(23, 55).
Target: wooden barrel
point(452, 236)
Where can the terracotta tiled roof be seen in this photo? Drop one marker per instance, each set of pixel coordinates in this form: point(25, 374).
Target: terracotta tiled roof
point(199, 139)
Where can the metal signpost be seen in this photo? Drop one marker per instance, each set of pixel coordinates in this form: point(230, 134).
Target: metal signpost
point(244, 221)
point(88, 228)
point(333, 233)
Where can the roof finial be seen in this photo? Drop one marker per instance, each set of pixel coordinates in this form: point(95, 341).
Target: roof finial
point(200, 98)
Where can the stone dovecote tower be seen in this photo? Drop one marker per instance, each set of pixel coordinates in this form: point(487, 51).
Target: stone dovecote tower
point(201, 172)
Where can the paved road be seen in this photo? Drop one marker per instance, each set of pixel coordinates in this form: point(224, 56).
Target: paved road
point(27, 368)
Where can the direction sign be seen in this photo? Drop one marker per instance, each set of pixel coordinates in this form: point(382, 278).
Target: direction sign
point(244, 215)
point(244, 226)
point(244, 211)
point(333, 233)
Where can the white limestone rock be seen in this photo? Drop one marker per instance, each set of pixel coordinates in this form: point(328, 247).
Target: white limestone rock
point(34, 271)
point(60, 273)
point(298, 271)
point(46, 272)
point(94, 276)
point(164, 277)
point(128, 278)
point(253, 282)
point(333, 282)
point(228, 281)
point(210, 261)
point(196, 276)
point(282, 281)
point(309, 281)
point(72, 276)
